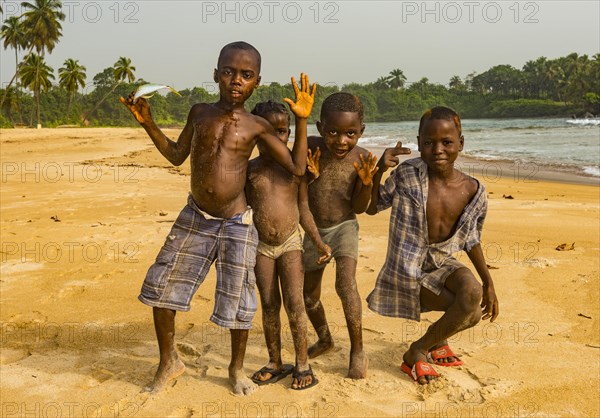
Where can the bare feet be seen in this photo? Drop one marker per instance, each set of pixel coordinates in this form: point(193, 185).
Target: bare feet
point(240, 383)
point(320, 347)
point(413, 355)
point(359, 364)
point(164, 374)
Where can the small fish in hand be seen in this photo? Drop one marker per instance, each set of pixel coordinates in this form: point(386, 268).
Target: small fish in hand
point(148, 90)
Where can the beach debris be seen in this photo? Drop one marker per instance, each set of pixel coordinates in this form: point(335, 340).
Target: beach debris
point(585, 316)
point(55, 218)
point(492, 267)
point(163, 213)
point(507, 196)
point(146, 91)
point(565, 247)
point(592, 346)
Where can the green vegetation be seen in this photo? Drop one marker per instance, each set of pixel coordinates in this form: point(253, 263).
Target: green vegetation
point(544, 87)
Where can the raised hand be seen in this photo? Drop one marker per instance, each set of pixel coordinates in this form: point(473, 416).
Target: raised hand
point(367, 168)
point(140, 109)
point(389, 157)
point(304, 97)
point(312, 162)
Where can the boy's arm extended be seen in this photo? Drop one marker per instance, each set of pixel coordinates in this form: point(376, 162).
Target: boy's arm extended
point(388, 159)
point(489, 304)
point(175, 152)
point(308, 222)
point(296, 163)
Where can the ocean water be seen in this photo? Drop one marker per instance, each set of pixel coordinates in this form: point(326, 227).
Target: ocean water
point(554, 144)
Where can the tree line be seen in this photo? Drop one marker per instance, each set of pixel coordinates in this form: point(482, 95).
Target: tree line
point(562, 87)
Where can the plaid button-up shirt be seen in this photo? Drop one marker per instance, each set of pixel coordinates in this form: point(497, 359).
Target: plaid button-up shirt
point(411, 261)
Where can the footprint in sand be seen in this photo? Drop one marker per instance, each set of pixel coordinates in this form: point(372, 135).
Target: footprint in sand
point(188, 349)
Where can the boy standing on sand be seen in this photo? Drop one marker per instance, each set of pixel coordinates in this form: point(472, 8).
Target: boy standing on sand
point(436, 212)
point(342, 190)
point(276, 195)
point(216, 223)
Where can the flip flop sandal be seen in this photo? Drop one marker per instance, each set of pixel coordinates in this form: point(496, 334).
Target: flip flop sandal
point(276, 375)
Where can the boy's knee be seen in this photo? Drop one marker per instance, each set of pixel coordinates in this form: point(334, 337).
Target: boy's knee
point(470, 295)
point(345, 288)
point(474, 296)
point(475, 317)
point(271, 308)
point(294, 306)
point(310, 303)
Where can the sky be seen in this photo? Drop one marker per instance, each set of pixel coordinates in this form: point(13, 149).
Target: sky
point(334, 42)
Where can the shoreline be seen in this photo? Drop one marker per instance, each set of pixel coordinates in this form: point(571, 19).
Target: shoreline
point(492, 171)
point(481, 168)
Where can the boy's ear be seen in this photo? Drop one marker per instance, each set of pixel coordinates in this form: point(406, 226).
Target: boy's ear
point(257, 81)
point(462, 143)
point(362, 129)
point(215, 76)
point(419, 143)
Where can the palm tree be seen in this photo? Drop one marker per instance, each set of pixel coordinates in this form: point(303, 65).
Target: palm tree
point(122, 69)
point(36, 75)
point(456, 83)
point(13, 34)
point(11, 103)
point(70, 77)
point(382, 83)
point(42, 28)
point(397, 79)
point(42, 22)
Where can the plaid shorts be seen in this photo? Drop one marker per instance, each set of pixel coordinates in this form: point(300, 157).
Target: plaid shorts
point(194, 243)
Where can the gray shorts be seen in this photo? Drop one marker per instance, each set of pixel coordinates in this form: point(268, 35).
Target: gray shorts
point(194, 243)
point(342, 238)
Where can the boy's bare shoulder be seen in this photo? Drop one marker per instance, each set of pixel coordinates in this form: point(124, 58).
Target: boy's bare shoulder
point(200, 108)
point(261, 125)
point(199, 112)
point(469, 184)
point(361, 150)
point(355, 154)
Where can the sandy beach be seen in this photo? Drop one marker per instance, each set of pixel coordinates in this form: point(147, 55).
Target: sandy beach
point(85, 211)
